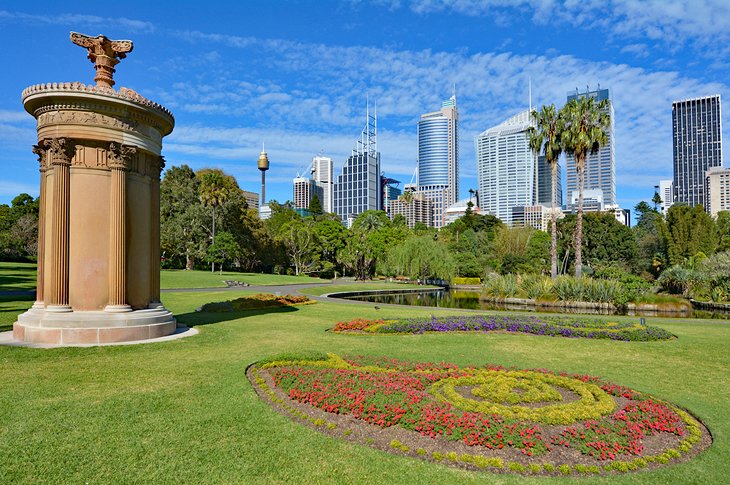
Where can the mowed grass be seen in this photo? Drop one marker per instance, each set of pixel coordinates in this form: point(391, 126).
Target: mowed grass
point(183, 411)
point(17, 276)
point(176, 278)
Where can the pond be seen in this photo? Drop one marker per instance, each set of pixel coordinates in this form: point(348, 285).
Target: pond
point(451, 298)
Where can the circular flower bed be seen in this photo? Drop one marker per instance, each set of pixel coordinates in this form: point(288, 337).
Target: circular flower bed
point(526, 421)
point(552, 326)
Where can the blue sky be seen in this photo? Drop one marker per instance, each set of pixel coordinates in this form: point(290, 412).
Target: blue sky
point(297, 74)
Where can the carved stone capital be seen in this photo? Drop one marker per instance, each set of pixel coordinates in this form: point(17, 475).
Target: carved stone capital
point(104, 53)
point(62, 150)
point(40, 151)
point(120, 156)
point(161, 166)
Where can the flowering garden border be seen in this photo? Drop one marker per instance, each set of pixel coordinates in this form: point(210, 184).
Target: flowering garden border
point(553, 326)
point(511, 422)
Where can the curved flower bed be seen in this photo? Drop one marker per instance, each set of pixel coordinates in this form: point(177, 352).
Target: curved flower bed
point(527, 421)
point(552, 326)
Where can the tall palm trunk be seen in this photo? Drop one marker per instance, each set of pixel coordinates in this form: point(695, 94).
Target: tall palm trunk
point(554, 231)
point(212, 264)
point(578, 238)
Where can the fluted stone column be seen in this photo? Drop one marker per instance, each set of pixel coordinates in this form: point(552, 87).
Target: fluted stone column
point(62, 151)
point(119, 157)
point(155, 246)
point(40, 151)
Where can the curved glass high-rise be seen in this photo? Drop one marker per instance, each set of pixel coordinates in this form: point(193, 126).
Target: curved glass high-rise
point(438, 157)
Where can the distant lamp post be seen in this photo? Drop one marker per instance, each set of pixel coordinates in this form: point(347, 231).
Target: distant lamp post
point(263, 165)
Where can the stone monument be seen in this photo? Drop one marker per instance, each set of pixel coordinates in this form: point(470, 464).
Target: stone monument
point(99, 222)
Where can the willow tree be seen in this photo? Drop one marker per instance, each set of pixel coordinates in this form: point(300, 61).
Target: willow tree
point(583, 134)
point(545, 140)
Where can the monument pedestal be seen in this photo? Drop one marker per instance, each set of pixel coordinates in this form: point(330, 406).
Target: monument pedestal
point(99, 219)
point(92, 327)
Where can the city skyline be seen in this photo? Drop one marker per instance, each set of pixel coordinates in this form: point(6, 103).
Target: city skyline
point(233, 84)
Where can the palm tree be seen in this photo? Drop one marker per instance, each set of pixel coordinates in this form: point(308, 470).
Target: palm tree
point(584, 132)
point(213, 191)
point(545, 138)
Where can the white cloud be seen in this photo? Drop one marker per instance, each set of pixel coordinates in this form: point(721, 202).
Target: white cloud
point(703, 22)
point(131, 25)
point(300, 113)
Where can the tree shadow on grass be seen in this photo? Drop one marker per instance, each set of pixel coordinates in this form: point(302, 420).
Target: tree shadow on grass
point(197, 319)
point(10, 307)
point(17, 280)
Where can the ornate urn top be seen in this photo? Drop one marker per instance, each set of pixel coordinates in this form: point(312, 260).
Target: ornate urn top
point(104, 53)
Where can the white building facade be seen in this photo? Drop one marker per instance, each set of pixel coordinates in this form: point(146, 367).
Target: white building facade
point(506, 167)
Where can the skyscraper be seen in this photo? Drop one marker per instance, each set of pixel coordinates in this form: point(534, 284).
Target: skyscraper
point(666, 193)
point(438, 157)
point(600, 167)
point(358, 187)
point(506, 167)
point(304, 190)
point(545, 183)
point(718, 190)
point(323, 173)
point(697, 146)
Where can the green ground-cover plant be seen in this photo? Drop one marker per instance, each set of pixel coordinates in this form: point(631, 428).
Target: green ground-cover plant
point(60, 407)
point(609, 286)
point(255, 302)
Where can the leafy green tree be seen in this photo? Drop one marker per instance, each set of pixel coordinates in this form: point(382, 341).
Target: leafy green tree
point(315, 205)
point(545, 139)
point(606, 241)
point(224, 250)
point(372, 234)
point(182, 235)
point(331, 236)
point(689, 231)
point(651, 251)
point(19, 228)
point(723, 230)
point(421, 257)
point(584, 133)
point(300, 241)
point(656, 200)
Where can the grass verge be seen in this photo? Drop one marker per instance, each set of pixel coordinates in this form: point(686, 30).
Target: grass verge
point(183, 411)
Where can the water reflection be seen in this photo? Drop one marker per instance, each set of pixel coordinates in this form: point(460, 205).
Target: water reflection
point(470, 300)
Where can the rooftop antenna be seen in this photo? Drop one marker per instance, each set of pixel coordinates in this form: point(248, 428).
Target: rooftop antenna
point(529, 90)
point(454, 95)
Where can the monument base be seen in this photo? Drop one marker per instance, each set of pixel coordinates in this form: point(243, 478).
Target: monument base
point(93, 327)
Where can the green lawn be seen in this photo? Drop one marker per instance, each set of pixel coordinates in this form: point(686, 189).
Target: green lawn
point(183, 411)
point(175, 278)
point(17, 276)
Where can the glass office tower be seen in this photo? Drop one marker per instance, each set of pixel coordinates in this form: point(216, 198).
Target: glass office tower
point(438, 157)
point(697, 146)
